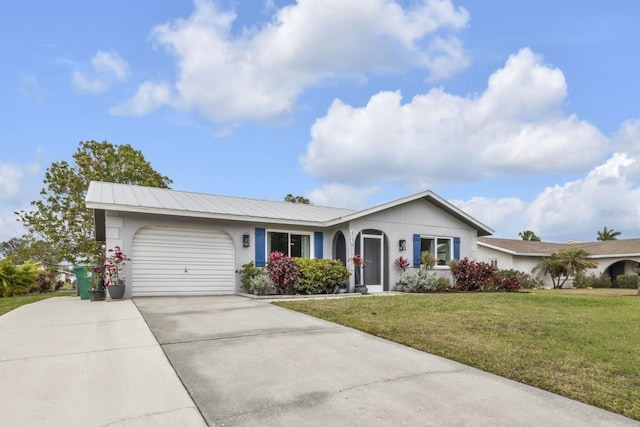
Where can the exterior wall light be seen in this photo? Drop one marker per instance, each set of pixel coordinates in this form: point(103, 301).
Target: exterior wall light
point(245, 240)
point(402, 245)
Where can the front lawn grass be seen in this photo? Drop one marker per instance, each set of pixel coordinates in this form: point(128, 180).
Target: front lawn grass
point(582, 344)
point(10, 303)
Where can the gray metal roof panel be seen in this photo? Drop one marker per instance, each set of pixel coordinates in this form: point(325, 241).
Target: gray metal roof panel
point(103, 195)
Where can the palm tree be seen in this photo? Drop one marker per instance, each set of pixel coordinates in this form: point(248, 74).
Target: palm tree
point(553, 267)
point(564, 263)
point(607, 234)
point(529, 235)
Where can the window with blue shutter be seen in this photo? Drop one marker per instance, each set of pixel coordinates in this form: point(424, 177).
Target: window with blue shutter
point(416, 250)
point(317, 244)
point(456, 248)
point(260, 247)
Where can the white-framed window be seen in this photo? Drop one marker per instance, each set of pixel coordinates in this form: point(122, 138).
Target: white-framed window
point(440, 247)
point(493, 262)
point(292, 244)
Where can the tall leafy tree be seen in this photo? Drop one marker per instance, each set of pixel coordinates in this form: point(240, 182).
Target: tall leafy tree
point(563, 264)
point(61, 219)
point(15, 249)
point(296, 199)
point(23, 249)
point(529, 235)
point(607, 234)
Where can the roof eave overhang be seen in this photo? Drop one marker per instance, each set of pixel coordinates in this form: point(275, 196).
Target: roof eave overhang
point(429, 196)
point(511, 252)
point(632, 255)
point(205, 215)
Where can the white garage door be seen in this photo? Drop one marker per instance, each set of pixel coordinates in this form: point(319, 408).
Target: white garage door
point(182, 261)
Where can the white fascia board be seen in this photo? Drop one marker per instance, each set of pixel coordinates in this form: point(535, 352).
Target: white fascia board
point(510, 252)
point(615, 256)
point(206, 215)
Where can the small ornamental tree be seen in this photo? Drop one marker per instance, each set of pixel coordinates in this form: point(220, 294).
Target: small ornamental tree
point(283, 272)
point(114, 266)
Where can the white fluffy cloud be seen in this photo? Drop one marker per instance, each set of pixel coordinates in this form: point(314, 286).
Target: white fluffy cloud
point(608, 195)
point(498, 214)
point(516, 124)
point(17, 182)
point(344, 196)
point(10, 177)
point(107, 69)
point(258, 73)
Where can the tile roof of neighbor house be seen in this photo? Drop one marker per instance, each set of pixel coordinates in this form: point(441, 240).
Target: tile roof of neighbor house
point(607, 248)
point(133, 198)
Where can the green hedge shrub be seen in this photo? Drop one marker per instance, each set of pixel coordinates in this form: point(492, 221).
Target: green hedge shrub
point(582, 280)
point(18, 279)
point(423, 280)
point(261, 284)
point(247, 272)
point(627, 281)
point(320, 276)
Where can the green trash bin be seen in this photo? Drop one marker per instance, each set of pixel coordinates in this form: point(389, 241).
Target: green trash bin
point(83, 279)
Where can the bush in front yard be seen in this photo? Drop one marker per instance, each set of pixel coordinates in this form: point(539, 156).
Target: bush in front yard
point(627, 281)
point(283, 272)
point(248, 272)
point(592, 281)
point(320, 276)
point(423, 280)
point(261, 284)
point(17, 279)
point(473, 276)
point(510, 280)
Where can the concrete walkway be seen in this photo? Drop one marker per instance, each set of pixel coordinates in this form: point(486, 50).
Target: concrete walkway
point(248, 363)
point(66, 362)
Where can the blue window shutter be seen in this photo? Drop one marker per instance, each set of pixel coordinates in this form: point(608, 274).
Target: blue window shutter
point(456, 248)
point(317, 244)
point(261, 247)
point(416, 250)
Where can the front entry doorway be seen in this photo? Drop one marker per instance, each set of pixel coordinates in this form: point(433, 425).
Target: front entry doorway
point(373, 252)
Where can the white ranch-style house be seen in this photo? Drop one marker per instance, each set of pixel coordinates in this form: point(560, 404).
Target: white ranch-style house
point(184, 243)
point(613, 257)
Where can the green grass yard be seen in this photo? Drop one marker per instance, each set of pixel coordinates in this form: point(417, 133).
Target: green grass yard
point(582, 344)
point(11, 303)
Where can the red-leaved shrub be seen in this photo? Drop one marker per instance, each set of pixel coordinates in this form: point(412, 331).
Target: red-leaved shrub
point(283, 272)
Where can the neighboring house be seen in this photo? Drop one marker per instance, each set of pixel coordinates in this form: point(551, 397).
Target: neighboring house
point(183, 243)
point(614, 257)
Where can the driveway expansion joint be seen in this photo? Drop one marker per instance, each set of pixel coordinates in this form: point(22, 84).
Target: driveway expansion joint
point(403, 377)
point(47, 356)
point(251, 335)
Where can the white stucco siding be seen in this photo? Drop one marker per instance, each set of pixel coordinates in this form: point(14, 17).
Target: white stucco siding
point(417, 217)
point(504, 260)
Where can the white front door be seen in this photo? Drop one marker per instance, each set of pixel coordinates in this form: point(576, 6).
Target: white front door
point(373, 253)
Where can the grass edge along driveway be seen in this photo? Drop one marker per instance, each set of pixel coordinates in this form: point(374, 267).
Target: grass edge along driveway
point(584, 345)
point(11, 303)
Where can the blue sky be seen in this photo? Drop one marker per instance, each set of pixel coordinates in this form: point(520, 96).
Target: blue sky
point(524, 114)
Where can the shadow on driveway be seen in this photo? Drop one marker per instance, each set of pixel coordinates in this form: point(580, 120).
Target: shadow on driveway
point(246, 362)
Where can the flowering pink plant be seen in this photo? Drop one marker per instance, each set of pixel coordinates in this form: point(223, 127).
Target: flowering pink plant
point(114, 265)
point(358, 260)
point(283, 272)
point(402, 263)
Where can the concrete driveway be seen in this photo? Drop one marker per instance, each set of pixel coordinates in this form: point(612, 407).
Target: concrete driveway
point(246, 362)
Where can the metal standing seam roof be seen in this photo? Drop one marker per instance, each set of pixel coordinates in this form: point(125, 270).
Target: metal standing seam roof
point(608, 248)
point(133, 198)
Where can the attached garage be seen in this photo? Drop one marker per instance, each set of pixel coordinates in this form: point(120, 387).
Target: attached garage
point(182, 261)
